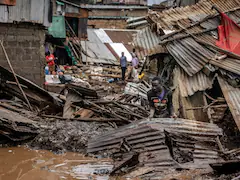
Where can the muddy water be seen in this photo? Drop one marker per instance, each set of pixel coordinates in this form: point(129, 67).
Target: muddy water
point(21, 163)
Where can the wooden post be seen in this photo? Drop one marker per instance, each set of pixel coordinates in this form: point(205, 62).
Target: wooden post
point(14, 74)
point(220, 146)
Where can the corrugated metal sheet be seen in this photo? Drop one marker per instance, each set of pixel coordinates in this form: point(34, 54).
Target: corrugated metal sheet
point(115, 37)
point(191, 84)
point(123, 36)
point(199, 130)
point(102, 35)
point(229, 64)
point(97, 53)
point(232, 96)
point(92, 36)
point(149, 139)
point(147, 42)
point(26, 11)
point(167, 19)
point(190, 55)
point(119, 41)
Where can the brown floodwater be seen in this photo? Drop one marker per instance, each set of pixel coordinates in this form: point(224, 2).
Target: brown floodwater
point(20, 163)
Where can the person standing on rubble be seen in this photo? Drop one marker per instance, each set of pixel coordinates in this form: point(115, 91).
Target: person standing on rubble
point(134, 67)
point(160, 100)
point(50, 59)
point(123, 63)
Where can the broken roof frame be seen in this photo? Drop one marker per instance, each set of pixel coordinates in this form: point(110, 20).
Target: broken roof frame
point(192, 44)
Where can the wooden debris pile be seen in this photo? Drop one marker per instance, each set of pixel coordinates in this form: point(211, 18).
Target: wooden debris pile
point(38, 97)
point(117, 110)
point(15, 127)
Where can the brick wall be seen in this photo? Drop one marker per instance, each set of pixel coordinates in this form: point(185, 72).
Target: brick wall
point(113, 23)
point(24, 45)
point(118, 12)
point(105, 23)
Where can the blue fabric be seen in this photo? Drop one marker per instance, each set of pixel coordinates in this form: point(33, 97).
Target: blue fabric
point(161, 95)
point(123, 61)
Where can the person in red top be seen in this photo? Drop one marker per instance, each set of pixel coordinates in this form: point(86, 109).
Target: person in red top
point(50, 61)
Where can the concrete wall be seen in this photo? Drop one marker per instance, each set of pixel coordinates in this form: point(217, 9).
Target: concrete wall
point(24, 45)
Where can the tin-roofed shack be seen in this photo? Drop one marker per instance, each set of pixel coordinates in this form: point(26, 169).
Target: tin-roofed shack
point(189, 34)
point(22, 29)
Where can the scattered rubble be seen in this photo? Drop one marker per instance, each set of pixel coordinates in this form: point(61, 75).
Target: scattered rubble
point(88, 109)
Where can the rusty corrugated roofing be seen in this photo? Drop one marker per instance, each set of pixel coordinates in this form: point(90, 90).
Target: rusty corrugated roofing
point(232, 96)
point(230, 64)
point(191, 84)
point(126, 38)
point(149, 139)
point(167, 19)
point(33, 11)
point(196, 129)
point(190, 55)
point(121, 36)
point(147, 42)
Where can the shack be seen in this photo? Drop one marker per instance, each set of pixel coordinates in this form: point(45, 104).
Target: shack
point(22, 30)
point(203, 76)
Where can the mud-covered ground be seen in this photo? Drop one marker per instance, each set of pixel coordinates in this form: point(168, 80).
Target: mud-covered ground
point(61, 136)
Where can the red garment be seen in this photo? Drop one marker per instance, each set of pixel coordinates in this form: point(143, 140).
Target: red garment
point(228, 35)
point(48, 58)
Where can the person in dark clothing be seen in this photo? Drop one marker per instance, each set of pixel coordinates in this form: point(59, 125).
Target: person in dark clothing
point(123, 63)
point(160, 100)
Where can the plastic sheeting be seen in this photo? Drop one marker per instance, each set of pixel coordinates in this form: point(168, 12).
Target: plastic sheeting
point(229, 35)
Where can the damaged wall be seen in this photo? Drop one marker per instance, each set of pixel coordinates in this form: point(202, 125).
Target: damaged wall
point(24, 45)
point(184, 105)
point(107, 23)
point(188, 94)
point(113, 17)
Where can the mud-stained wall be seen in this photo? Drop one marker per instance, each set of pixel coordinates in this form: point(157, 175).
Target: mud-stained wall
point(24, 46)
